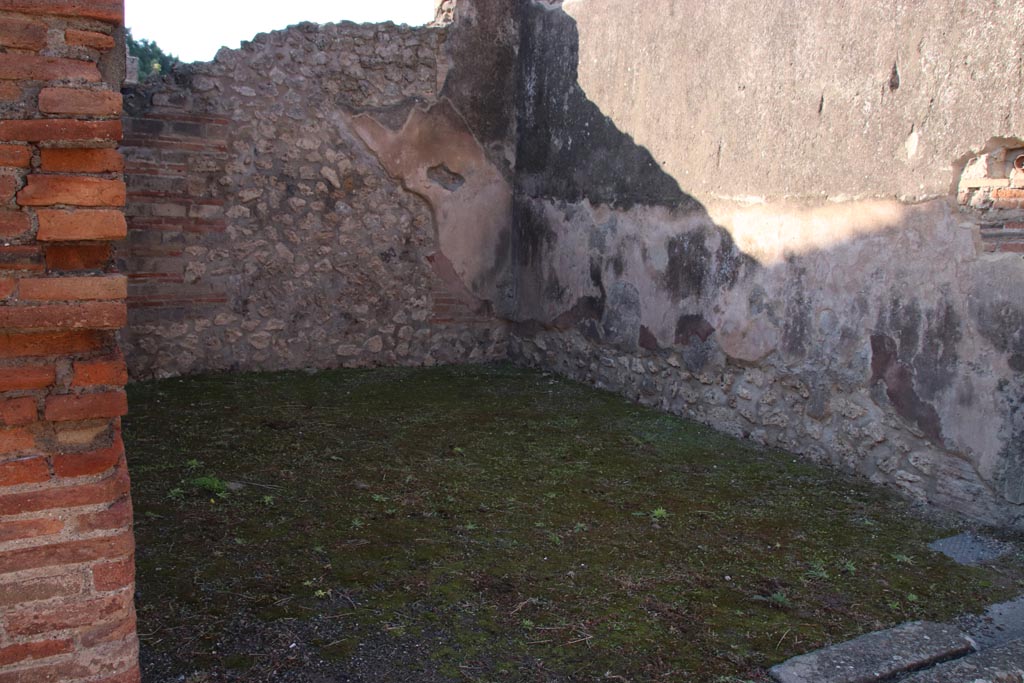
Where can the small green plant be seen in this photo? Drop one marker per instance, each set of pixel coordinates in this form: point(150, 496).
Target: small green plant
point(177, 493)
point(659, 514)
point(357, 523)
point(900, 558)
point(912, 597)
point(526, 624)
point(193, 464)
point(778, 600)
point(580, 528)
point(268, 501)
point(378, 498)
point(848, 567)
point(817, 571)
point(321, 593)
point(210, 484)
point(470, 526)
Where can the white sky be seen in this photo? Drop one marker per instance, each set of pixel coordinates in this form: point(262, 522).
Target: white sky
point(194, 30)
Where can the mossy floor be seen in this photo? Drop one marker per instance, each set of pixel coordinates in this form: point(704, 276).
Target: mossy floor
point(495, 524)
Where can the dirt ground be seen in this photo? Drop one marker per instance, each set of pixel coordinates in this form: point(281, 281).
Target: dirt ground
point(495, 524)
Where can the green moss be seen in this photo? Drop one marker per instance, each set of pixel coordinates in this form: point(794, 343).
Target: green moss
point(449, 505)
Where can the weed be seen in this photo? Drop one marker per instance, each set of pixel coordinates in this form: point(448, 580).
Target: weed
point(210, 484)
point(268, 501)
point(817, 571)
point(357, 523)
point(659, 514)
point(177, 493)
point(778, 600)
point(900, 558)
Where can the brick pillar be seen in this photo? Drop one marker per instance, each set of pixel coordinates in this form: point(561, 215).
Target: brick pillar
point(66, 564)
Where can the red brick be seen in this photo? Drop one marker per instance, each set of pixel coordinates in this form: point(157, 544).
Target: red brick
point(29, 377)
point(90, 463)
point(22, 67)
point(30, 470)
point(114, 575)
point(68, 226)
point(96, 315)
point(76, 101)
point(40, 649)
point(1006, 204)
point(47, 190)
point(9, 92)
point(38, 344)
point(8, 186)
point(117, 516)
point(45, 588)
point(17, 411)
point(65, 257)
point(15, 440)
point(83, 160)
point(110, 11)
point(99, 288)
point(66, 670)
point(86, 406)
point(60, 130)
point(29, 528)
point(111, 372)
point(17, 156)
point(109, 632)
point(58, 498)
point(21, 34)
point(1007, 193)
point(98, 41)
point(1012, 247)
point(7, 287)
point(20, 258)
point(14, 223)
point(133, 675)
point(74, 614)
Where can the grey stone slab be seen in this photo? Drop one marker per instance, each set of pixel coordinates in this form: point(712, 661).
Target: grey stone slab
point(1002, 664)
point(999, 624)
point(971, 548)
point(877, 656)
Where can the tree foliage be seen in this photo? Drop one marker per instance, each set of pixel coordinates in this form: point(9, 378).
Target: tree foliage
point(151, 58)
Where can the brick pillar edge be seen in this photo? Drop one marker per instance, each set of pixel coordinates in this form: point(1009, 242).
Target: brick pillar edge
point(66, 543)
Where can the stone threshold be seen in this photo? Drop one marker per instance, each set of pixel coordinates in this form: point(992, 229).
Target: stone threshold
point(989, 649)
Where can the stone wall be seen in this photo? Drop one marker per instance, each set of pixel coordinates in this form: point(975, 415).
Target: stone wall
point(66, 568)
point(311, 200)
point(748, 215)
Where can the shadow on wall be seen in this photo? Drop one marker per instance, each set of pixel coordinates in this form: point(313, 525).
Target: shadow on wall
point(803, 327)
